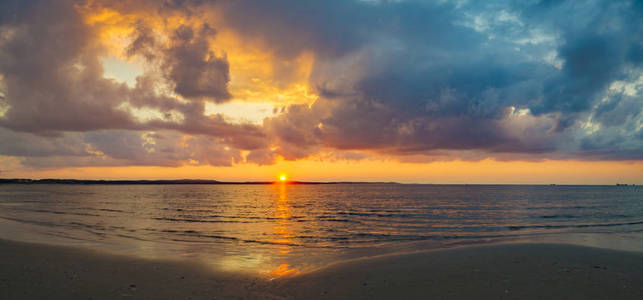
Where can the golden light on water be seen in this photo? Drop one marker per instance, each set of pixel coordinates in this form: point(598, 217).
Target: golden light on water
point(283, 231)
point(283, 270)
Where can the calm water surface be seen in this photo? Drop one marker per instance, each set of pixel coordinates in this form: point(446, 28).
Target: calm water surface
point(280, 229)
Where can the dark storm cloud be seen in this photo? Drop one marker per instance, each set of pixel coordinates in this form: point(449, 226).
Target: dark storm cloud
point(290, 27)
point(193, 70)
point(442, 76)
point(50, 65)
point(295, 132)
point(53, 77)
point(143, 42)
point(334, 28)
point(599, 45)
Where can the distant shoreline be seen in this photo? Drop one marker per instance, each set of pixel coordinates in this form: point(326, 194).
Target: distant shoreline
point(161, 182)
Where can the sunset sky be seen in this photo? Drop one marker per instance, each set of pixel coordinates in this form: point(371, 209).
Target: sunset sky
point(409, 91)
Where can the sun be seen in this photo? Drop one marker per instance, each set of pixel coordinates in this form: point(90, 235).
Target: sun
point(282, 177)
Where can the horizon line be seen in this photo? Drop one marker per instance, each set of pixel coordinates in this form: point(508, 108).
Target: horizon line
point(218, 182)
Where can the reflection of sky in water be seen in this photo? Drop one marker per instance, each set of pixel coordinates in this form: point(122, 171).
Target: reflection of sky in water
point(283, 229)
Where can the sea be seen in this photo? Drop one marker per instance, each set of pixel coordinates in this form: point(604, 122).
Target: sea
point(281, 229)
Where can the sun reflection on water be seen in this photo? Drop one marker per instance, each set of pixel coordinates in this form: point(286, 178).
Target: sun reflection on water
point(283, 231)
point(283, 270)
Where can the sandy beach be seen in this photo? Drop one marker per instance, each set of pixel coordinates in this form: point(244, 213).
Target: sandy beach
point(511, 271)
point(35, 271)
point(507, 271)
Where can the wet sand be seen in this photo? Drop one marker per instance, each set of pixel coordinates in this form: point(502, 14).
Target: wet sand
point(511, 271)
point(34, 271)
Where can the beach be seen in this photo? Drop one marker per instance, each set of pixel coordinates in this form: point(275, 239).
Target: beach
point(353, 149)
point(35, 271)
point(503, 271)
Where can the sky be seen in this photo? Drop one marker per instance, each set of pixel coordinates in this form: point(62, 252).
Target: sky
point(497, 91)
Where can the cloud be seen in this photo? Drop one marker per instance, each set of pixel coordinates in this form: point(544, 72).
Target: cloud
point(596, 49)
point(53, 77)
point(27, 145)
point(62, 111)
point(54, 81)
point(193, 70)
point(405, 79)
point(118, 148)
point(494, 88)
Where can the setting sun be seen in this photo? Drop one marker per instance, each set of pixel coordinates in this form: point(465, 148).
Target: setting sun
point(282, 177)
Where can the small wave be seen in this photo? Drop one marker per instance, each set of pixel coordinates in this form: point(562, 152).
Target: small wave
point(198, 221)
point(110, 210)
point(56, 212)
point(179, 231)
point(379, 215)
point(32, 222)
point(521, 227)
point(282, 243)
point(577, 207)
point(93, 229)
point(86, 225)
point(327, 218)
point(217, 237)
point(132, 237)
point(558, 217)
point(204, 237)
point(341, 220)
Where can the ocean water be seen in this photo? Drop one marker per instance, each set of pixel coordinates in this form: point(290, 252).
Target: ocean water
point(282, 228)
